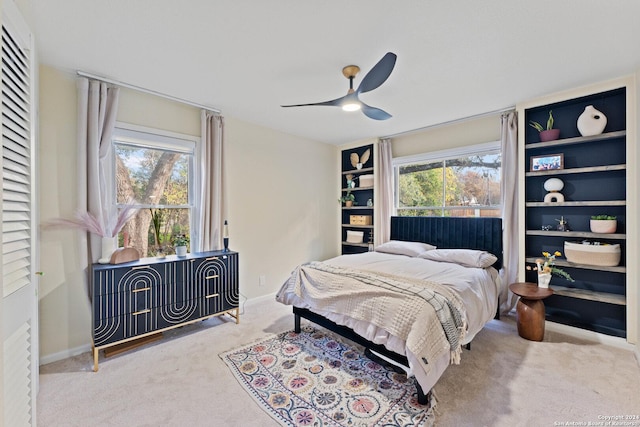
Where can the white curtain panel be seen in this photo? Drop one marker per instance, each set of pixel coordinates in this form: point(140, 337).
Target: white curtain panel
point(509, 190)
point(97, 108)
point(210, 203)
point(384, 197)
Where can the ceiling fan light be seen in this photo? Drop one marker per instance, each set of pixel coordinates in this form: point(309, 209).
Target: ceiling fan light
point(351, 106)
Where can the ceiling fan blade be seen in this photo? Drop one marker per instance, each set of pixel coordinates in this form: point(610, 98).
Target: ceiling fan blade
point(378, 74)
point(333, 102)
point(375, 113)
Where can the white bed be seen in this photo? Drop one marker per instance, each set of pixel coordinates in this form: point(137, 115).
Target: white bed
point(478, 288)
point(463, 266)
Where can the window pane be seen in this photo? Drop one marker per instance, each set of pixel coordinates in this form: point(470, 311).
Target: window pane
point(467, 186)
point(166, 225)
point(473, 181)
point(157, 181)
point(420, 185)
point(151, 177)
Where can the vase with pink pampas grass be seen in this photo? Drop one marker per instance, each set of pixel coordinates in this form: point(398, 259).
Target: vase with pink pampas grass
point(108, 229)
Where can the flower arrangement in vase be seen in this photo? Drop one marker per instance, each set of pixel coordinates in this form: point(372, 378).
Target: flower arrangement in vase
point(107, 227)
point(546, 268)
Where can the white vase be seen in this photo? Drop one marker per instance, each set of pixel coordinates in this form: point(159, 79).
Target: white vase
point(181, 250)
point(591, 121)
point(108, 247)
point(543, 280)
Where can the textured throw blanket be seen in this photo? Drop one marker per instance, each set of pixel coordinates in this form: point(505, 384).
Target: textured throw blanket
point(426, 315)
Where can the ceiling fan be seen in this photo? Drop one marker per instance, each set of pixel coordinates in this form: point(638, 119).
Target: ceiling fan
point(374, 78)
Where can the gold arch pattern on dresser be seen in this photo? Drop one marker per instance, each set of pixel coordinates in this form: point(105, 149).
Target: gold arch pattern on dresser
point(140, 298)
point(124, 302)
point(214, 275)
point(178, 300)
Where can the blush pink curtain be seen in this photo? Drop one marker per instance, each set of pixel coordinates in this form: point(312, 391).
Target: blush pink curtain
point(97, 108)
point(210, 203)
point(509, 190)
point(384, 198)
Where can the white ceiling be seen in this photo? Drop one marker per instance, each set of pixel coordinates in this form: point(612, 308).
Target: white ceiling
point(455, 58)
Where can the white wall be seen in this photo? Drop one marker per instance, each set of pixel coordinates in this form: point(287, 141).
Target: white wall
point(449, 135)
point(282, 203)
point(282, 192)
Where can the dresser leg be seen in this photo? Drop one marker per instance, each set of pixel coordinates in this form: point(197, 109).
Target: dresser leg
point(95, 359)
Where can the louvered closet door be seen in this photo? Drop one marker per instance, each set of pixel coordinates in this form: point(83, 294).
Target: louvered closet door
point(19, 297)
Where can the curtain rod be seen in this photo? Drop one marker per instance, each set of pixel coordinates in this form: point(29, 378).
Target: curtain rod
point(149, 91)
point(460, 120)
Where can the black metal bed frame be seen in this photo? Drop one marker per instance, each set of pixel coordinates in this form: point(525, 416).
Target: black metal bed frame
point(443, 232)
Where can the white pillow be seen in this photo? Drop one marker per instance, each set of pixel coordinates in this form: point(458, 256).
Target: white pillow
point(399, 247)
point(465, 257)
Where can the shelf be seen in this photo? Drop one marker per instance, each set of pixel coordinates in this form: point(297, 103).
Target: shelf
point(564, 263)
point(577, 203)
point(358, 188)
point(360, 245)
point(576, 140)
point(344, 208)
point(353, 171)
point(590, 295)
point(583, 234)
point(357, 226)
point(590, 169)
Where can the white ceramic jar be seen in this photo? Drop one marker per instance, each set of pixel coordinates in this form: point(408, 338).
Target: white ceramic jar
point(591, 121)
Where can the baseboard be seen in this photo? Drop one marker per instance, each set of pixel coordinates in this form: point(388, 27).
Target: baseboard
point(50, 358)
point(591, 336)
point(260, 299)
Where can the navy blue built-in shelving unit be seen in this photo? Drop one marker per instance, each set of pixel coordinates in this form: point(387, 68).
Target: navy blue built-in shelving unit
point(594, 176)
point(362, 195)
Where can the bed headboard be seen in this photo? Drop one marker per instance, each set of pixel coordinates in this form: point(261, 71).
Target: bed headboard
point(451, 233)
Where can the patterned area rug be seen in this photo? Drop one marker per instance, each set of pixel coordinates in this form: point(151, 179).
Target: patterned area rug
point(315, 379)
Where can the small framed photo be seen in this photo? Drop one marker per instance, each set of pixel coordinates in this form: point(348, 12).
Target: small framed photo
point(547, 162)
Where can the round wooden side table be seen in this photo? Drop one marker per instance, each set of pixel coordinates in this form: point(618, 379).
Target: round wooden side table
point(530, 309)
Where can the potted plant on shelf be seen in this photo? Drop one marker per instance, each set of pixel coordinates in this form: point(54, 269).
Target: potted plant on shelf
point(348, 199)
point(548, 134)
point(603, 224)
point(180, 242)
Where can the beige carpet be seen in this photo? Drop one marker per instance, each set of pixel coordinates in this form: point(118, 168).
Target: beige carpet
point(180, 380)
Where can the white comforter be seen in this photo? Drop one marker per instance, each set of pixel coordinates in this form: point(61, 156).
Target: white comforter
point(478, 288)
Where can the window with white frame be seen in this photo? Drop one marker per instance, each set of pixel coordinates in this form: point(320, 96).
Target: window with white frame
point(462, 182)
point(153, 172)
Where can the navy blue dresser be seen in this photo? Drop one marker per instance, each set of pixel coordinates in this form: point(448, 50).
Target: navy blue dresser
point(140, 298)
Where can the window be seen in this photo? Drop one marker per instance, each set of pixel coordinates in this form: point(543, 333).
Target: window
point(154, 172)
point(463, 182)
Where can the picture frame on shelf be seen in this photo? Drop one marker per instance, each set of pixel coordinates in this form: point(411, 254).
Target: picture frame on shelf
point(547, 162)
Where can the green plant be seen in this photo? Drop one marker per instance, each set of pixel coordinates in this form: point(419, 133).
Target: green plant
point(157, 217)
point(539, 127)
point(347, 197)
point(603, 217)
point(547, 265)
point(180, 240)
